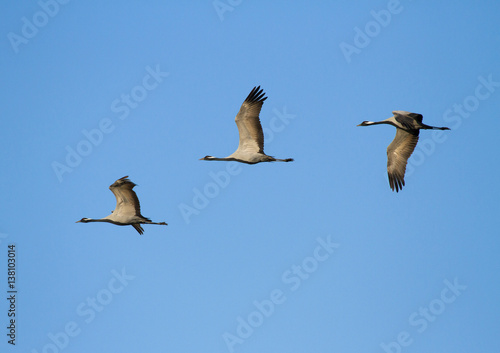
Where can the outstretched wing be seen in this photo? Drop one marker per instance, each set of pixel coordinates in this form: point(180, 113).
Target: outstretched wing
point(408, 119)
point(248, 122)
point(398, 153)
point(127, 203)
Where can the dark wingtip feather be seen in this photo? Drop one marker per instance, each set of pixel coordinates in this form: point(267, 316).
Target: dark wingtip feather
point(138, 228)
point(256, 95)
point(123, 181)
point(396, 183)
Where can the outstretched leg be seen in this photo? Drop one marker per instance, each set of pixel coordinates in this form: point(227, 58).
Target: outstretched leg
point(159, 223)
point(428, 127)
point(284, 160)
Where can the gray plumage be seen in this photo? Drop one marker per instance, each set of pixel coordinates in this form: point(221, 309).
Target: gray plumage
point(408, 126)
point(128, 208)
point(251, 145)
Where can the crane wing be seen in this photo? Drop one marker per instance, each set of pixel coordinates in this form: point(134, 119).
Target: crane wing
point(248, 122)
point(407, 119)
point(127, 203)
point(398, 153)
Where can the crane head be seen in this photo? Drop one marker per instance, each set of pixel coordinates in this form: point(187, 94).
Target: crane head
point(207, 158)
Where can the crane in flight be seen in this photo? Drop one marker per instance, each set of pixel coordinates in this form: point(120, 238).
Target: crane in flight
point(251, 147)
point(127, 210)
point(408, 126)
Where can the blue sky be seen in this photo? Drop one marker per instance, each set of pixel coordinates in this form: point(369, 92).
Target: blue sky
point(318, 255)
